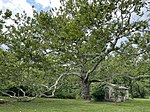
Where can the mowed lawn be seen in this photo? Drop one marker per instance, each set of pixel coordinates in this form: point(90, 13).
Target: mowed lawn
point(68, 105)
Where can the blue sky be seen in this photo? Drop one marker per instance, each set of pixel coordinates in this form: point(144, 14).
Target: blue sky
point(26, 5)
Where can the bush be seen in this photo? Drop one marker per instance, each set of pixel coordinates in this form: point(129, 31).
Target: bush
point(99, 94)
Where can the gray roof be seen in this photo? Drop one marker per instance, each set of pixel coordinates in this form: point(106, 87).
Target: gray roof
point(115, 85)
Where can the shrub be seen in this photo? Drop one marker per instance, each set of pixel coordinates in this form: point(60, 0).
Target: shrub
point(98, 94)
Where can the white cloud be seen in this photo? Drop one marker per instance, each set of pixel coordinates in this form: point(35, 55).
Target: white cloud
point(16, 6)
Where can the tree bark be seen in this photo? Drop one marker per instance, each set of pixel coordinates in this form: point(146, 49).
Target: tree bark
point(85, 90)
point(131, 88)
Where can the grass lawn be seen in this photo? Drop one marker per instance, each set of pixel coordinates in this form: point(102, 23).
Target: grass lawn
point(68, 105)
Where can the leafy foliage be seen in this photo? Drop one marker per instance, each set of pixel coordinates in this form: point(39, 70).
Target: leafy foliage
point(99, 94)
point(90, 40)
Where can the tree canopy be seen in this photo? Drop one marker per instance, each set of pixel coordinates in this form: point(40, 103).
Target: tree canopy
point(76, 39)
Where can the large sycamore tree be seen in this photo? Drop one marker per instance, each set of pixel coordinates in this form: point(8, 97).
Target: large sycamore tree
point(90, 31)
point(78, 37)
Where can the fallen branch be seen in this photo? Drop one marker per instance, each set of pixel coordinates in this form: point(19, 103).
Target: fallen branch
point(25, 98)
point(18, 98)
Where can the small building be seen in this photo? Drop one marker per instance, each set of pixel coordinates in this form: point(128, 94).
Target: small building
point(116, 93)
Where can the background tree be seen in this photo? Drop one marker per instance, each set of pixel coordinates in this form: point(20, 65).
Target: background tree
point(26, 61)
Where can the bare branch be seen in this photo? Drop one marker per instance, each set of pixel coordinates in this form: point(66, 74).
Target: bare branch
point(24, 94)
point(54, 87)
point(101, 58)
point(131, 77)
point(141, 77)
point(5, 93)
point(96, 80)
point(18, 98)
point(108, 78)
point(93, 68)
point(123, 75)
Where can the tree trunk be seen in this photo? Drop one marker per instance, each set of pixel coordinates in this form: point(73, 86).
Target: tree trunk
point(131, 88)
point(85, 90)
point(140, 91)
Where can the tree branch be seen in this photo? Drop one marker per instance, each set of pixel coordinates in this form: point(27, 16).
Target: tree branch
point(123, 75)
point(24, 94)
point(18, 98)
point(132, 54)
point(101, 58)
point(96, 80)
point(11, 96)
point(94, 67)
point(54, 87)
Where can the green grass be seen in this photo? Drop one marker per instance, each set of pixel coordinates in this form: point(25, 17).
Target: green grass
point(67, 105)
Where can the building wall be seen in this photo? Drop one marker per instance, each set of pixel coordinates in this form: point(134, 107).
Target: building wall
point(110, 94)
